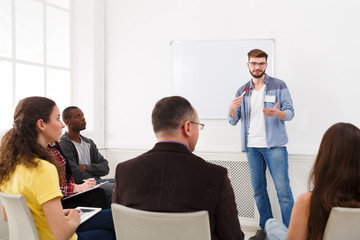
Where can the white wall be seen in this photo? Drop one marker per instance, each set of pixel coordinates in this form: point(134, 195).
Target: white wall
point(316, 51)
point(88, 65)
point(316, 43)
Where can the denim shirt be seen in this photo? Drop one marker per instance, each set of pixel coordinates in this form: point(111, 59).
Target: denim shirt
point(276, 135)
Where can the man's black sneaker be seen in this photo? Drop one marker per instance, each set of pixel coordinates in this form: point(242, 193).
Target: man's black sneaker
point(260, 235)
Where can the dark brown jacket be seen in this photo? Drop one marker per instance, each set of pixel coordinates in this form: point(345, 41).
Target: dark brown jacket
point(169, 178)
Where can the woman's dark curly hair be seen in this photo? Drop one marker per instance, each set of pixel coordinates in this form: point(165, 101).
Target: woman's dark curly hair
point(20, 143)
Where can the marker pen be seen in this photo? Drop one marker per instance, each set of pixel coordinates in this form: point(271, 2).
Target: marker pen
point(244, 92)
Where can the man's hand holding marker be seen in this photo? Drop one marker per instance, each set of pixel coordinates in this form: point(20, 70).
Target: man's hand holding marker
point(236, 103)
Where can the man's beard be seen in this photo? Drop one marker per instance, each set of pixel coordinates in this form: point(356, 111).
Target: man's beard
point(258, 75)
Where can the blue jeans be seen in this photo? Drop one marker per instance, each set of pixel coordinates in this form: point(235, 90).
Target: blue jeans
point(100, 226)
point(276, 159)
point(275, 230)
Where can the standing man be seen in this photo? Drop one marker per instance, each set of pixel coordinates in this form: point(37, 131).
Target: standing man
point(170, 178)
point(263, 105)
point(81, 152)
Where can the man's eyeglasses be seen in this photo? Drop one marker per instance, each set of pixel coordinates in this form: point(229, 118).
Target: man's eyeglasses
point(200, 125)
point(262, 64)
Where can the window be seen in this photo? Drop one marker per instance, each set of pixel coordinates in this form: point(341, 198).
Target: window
point(53, 48)
point(34, 53)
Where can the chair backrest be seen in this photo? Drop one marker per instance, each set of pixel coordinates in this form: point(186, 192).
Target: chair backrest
point(20, 221)
point(133, 224)
point(343, 223)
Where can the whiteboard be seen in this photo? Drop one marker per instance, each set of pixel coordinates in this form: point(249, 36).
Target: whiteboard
point(208, 73)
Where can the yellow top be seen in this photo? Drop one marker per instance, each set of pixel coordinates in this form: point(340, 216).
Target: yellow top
point(37, 185)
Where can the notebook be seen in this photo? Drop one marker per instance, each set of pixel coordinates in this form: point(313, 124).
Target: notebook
point(96, 186)
point(87, 212)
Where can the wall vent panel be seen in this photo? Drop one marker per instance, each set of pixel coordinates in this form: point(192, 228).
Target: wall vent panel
point(239, 175)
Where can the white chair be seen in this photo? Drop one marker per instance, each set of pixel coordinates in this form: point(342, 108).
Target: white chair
point(136, 224)
point(343, 223)
point(20, 221)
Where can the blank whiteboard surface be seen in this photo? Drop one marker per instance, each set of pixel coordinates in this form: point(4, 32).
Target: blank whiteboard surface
point(208, 73)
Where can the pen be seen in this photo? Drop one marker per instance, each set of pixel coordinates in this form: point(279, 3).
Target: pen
point(84, 180)
point(244, 92)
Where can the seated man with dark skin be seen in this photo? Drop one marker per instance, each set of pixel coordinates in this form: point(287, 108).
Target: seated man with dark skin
point(81, 152)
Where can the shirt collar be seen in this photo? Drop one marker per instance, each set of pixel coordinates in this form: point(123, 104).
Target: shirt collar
point(266, 81)
point(176, 142)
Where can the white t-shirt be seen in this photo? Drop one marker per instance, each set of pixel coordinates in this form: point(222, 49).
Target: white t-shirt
point(257, 132)
point(83, 150)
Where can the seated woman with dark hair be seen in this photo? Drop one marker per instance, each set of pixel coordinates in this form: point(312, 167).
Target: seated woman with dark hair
point(28, 168)
point(336, 183)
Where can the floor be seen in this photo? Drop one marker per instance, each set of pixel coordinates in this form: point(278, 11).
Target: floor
point(249, 231)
